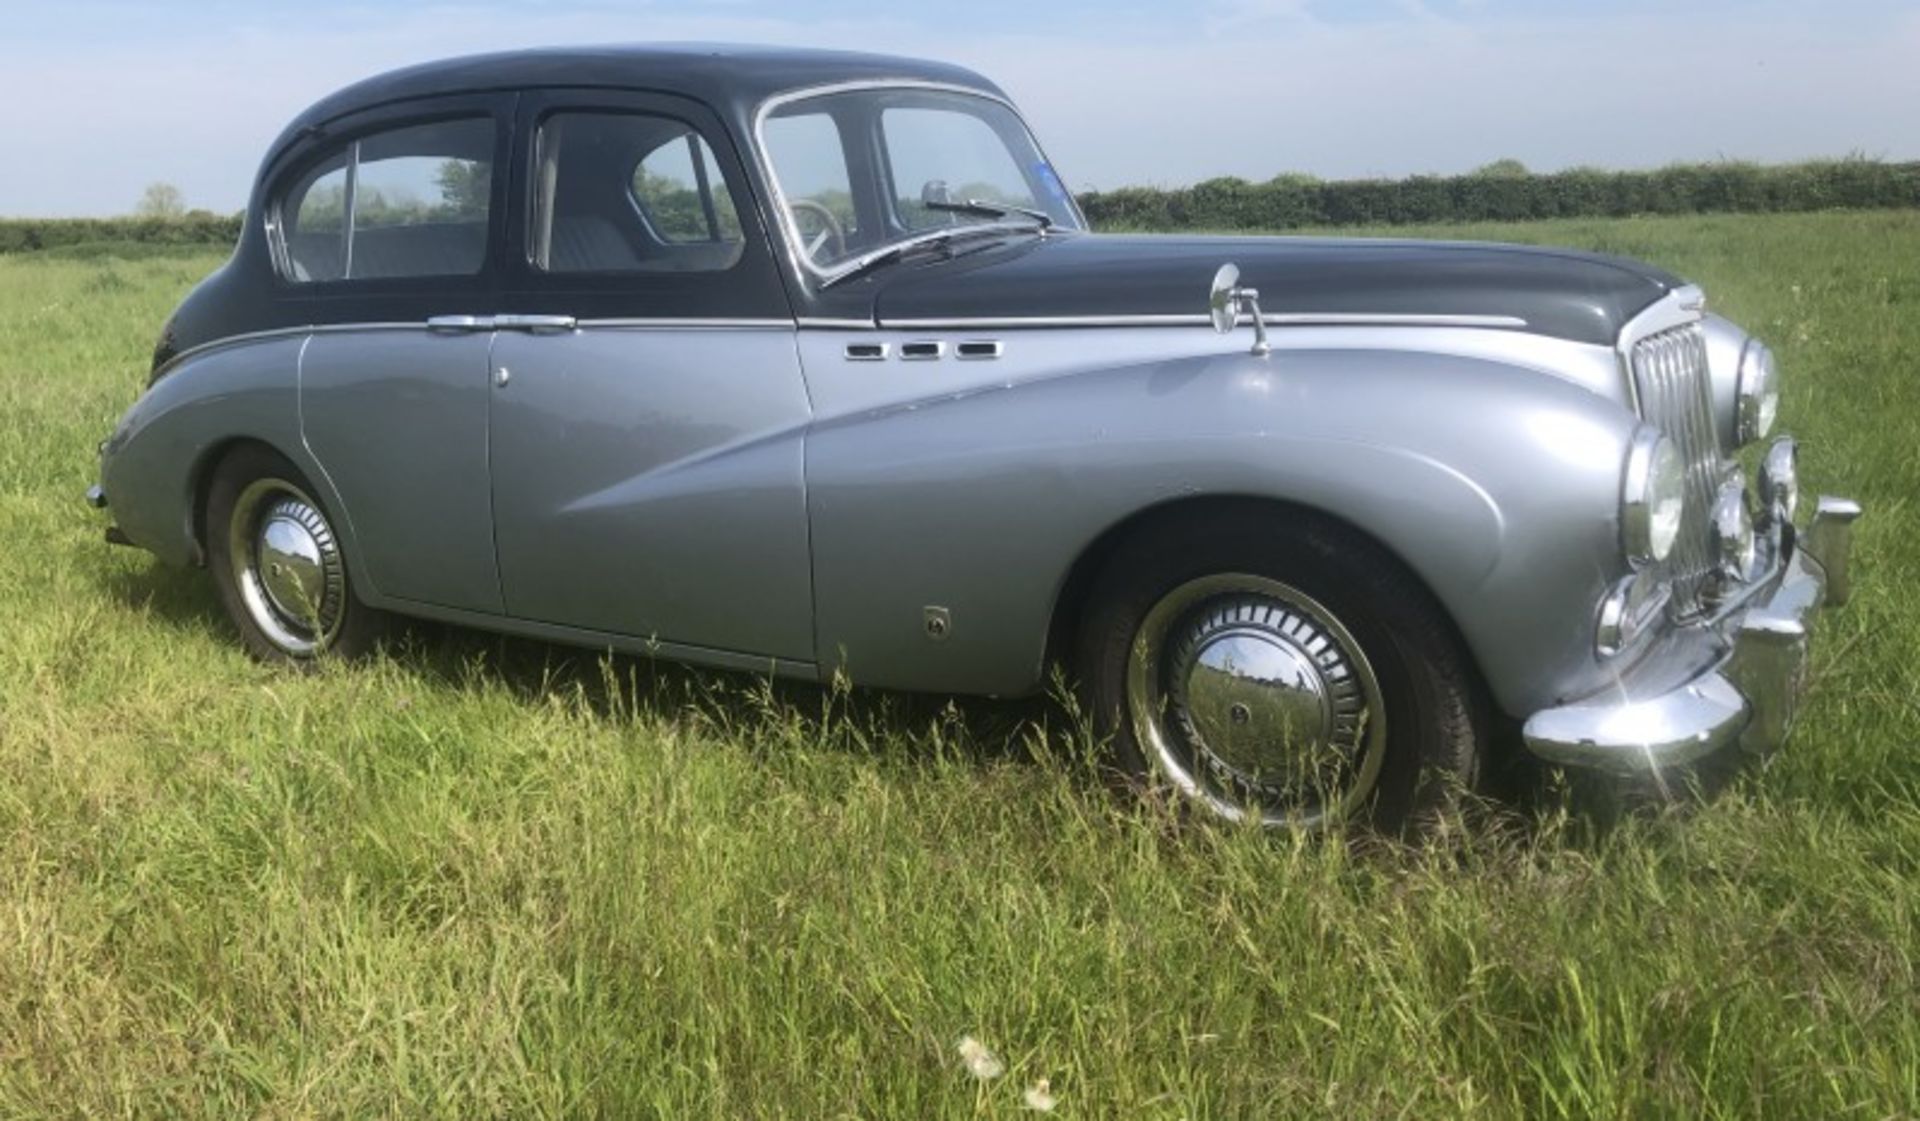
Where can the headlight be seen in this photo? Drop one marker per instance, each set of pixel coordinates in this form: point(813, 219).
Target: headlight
point(1733, 540)
point(1652, 497)
point(1757, 400)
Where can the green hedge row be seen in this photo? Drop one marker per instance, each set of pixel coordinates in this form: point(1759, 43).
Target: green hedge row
point(1294, 201)
point(1289, 202)
point(19, 235)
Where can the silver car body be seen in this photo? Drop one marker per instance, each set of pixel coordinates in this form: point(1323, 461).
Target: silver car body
point(802, 494)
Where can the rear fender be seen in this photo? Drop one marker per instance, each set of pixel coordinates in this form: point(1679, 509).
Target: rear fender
point(156, 464)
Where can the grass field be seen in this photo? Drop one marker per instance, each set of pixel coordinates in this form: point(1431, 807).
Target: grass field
point(489, 878)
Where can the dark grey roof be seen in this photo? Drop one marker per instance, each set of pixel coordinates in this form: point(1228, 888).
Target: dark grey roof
point(731, 78)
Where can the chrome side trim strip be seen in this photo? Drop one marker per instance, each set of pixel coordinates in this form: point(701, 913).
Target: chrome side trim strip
point(1272, 319)
point(691, 324)
point(1305, 319)
point(1387, 319)
point(446, 324)
point(819, 323)
point(247, 337)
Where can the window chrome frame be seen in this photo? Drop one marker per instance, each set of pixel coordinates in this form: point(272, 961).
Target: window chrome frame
point(805, 269)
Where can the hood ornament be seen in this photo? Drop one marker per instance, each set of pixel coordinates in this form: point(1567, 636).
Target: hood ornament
point(1228, 300)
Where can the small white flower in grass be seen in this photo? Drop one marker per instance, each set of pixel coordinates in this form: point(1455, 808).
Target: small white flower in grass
point(1039, 1097)
point(981, 1063)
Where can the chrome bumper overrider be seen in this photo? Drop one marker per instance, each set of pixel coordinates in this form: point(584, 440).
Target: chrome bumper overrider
point(1663, 714)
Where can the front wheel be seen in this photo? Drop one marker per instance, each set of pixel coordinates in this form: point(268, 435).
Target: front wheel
point(1286, 671)
point(278, 564)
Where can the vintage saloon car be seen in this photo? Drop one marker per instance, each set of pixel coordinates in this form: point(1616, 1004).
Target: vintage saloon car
point(805, 361)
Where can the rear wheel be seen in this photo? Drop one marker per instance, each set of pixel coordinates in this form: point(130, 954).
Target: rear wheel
point(278, 564)
point(1292, 673)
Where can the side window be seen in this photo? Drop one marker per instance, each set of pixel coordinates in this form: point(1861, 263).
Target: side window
point(812, 159)
point(410, 202)
point(629, 192)
point(315, 216)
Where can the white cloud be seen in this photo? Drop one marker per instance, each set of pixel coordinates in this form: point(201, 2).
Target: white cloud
point(1262, 87)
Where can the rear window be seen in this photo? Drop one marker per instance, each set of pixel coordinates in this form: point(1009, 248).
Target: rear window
point(412, 201)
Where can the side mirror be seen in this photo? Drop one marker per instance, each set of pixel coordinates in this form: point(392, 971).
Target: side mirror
point(1226, 300)
point(935, 193)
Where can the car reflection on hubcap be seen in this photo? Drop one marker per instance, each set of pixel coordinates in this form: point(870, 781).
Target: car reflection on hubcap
point(1252, 698)
point(287, 566)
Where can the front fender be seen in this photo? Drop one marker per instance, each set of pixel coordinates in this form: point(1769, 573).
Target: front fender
point(1497, 485)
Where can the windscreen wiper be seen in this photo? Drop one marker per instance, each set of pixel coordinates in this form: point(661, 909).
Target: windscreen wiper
point(988, 209)
point(887, 255)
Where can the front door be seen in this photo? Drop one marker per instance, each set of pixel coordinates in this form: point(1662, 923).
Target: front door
point(648, 412)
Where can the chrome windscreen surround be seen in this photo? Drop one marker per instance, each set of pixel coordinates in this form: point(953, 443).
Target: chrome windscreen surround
point(1671, 383)
point(804, 268)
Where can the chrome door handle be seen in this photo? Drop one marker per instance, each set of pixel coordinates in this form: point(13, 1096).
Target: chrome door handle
point(459, 324)
point(536, 324)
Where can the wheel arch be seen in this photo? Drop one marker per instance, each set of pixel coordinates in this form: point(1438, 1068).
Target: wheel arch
point(1074, 593)
point(207, 464)
point(200, 485)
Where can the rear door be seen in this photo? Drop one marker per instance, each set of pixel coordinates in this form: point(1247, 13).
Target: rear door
point(386, 239)
point(648, 411)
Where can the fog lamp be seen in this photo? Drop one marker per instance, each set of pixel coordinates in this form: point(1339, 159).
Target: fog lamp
point(1625, 611)
point(1734, 548)
point(1780, 480)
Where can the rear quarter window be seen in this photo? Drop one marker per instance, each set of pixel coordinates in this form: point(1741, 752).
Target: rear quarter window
point(412, 201)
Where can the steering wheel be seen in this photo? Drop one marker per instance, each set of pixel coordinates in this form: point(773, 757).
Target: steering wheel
point(830, 228)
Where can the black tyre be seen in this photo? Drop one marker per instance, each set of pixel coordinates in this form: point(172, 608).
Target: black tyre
point(278, 564)
point(1283, 667)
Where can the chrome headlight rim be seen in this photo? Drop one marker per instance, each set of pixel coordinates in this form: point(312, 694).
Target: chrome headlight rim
point(1652, 497)
point(1756, 394)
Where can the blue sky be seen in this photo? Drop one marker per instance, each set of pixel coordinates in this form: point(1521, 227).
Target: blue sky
point(100, 97)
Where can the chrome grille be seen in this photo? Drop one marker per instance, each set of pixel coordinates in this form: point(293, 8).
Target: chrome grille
point(1670, 375)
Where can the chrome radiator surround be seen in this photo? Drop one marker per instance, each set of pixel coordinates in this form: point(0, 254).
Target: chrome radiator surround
point(1673, 388)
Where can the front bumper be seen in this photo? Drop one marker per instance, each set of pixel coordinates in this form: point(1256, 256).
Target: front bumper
point(1669, 711)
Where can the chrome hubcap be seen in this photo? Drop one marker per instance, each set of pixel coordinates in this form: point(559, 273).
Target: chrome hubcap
point(288, 567)
point(1250, 697)
point(292, 570)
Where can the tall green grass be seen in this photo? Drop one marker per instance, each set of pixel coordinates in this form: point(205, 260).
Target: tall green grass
point(479, 877)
